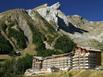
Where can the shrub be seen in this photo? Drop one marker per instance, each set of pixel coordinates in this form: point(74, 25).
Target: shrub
point(24, 63)
point(5, 46)
point(65, 44)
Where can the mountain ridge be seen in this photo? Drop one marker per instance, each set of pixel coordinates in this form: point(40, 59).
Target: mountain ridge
point(43, 26)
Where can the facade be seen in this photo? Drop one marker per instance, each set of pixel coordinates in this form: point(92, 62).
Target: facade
point(62, 61)
point(86, 58)
point(37, 63)
point(80, 58)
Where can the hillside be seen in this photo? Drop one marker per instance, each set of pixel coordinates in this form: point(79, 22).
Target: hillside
point(77, 73)
point(26, 31)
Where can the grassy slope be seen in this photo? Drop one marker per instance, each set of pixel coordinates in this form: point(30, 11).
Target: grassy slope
point(76, 73)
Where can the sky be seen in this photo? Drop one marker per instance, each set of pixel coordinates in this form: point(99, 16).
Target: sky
point(89, 9)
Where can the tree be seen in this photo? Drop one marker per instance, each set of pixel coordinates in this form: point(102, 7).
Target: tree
point(24, 63)
point(65, 44)
point(13, 67)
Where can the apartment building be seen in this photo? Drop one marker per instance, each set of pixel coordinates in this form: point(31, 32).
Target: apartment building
point(86, 58)
point(79, 58)
point(62, 61)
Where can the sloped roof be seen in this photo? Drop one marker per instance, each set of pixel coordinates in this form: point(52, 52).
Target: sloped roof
point(89, 48)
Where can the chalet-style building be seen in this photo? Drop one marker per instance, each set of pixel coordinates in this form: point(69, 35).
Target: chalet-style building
point(79, 58)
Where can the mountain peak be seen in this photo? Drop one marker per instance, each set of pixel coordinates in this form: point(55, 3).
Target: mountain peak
point(56, 6)
point(52, 14)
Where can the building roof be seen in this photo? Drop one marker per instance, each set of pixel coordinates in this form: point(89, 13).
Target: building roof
point(60, 55)
point(53, 56)
point(89, 48)
point(38, 57)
